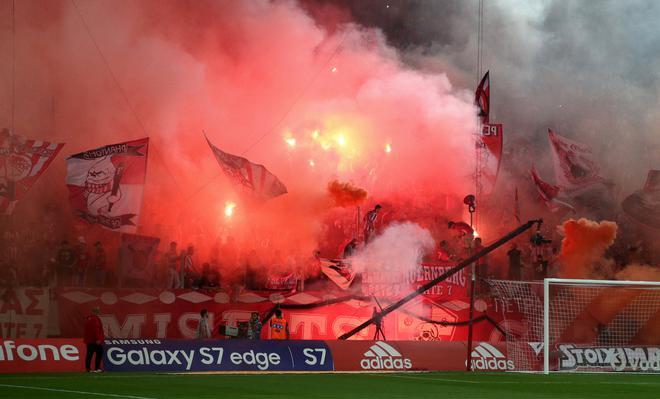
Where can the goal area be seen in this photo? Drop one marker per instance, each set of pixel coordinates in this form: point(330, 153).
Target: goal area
point(573, 325)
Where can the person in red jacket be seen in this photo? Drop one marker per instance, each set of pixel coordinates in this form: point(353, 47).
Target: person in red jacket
point(94, 339)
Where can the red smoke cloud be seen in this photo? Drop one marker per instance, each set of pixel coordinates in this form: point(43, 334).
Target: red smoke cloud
point(345, 194)
point(265, 80)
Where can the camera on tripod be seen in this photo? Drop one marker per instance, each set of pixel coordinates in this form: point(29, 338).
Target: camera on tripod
point(539, 240)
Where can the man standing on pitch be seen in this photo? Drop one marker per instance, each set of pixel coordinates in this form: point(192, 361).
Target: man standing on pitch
point(94, 339)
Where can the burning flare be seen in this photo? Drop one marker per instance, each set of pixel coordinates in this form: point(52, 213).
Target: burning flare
point(229, 209)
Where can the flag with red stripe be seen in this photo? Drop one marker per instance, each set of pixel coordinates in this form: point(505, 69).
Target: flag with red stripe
point(548, 192)
point(254, 177)
point(22, 161)
point(106, 184)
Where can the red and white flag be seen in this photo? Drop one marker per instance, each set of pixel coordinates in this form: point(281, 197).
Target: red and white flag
point(254, 177)
point(106, 184)
point(482, 98)
point(575, 167)
point(548, 193)
point(338, 272)
point(490, 154)
point(22, 161)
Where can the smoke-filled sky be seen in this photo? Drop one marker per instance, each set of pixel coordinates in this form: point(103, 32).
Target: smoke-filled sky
point(588, 70)
point(321, 90)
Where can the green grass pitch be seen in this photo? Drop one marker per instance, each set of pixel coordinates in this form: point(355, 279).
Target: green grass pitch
point(381, 386)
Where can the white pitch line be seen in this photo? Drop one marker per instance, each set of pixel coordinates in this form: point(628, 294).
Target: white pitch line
point(517, 382)
point(71, 391)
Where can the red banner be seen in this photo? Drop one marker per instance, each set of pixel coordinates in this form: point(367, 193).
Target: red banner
point(175, 314)
point(24, 312)
point(41, 355)
point(22, 161)
point(395, 285)
point(490, 154)
point(106, 184)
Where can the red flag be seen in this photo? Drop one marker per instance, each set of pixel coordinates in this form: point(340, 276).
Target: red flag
point(22, 161)
point(482, 98)
point(548, 192)
point(254, 177)
point(575, 166)
point(490, 155)
point(106, 184)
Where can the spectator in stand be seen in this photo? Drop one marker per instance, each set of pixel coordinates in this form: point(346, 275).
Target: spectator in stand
point(188, 274)
point(370, 223)
point(279, 328)
point(515, 265)
point(66, 259)
point(254, 327)
point(94, 339)
point(83, 261)
point(540, 267)
point(350, 249)
point(210, 278)
point(443, 254)
point(8, 275)
point(172, 260)
point(203, 328)
point(98, 265)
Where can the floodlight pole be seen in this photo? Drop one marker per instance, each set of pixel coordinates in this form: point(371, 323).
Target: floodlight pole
point(513, 234)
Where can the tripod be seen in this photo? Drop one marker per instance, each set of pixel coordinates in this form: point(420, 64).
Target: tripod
point(378, 321)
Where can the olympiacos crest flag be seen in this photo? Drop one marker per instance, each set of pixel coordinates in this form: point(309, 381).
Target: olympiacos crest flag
point(106, 184)
point(22, 161)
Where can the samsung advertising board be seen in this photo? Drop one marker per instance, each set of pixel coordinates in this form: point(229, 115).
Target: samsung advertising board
point(216, 355)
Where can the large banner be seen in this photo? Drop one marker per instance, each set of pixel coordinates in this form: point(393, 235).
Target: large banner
point(106, 184)
point(41, 355)
point(166, 314)
point(22, 161)
point(24, 312)
point(384, 284)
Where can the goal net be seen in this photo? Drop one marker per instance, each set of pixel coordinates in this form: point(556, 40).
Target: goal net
point(582, 325)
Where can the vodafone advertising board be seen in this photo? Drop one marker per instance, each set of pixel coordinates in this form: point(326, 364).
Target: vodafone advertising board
point(41, 355)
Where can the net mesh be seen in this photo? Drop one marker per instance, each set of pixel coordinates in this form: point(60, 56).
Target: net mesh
point(593, 327)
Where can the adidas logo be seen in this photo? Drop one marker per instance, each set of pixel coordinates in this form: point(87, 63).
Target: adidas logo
point(382, 356)
point(488, 357)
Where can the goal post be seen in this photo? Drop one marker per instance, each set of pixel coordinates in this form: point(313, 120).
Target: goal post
point(582, 325)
